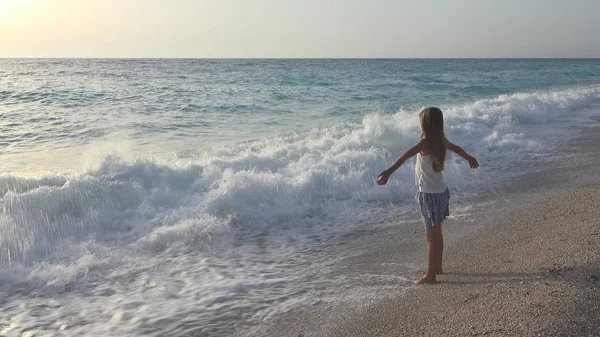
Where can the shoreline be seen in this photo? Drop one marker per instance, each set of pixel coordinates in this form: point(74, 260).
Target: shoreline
point(553, 188)
point(503, 280)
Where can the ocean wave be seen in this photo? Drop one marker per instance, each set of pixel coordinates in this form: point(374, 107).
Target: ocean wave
point(324, 176)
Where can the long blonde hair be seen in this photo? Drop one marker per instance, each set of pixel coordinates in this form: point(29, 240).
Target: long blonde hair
point(432, 128)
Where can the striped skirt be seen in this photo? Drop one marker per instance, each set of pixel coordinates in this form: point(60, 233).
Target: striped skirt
point(434, 207)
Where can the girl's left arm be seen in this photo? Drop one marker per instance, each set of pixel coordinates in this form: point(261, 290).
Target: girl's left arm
point(385, 175)
point(459, 151)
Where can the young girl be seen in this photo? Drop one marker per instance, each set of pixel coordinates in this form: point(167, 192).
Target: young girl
point(433, 194)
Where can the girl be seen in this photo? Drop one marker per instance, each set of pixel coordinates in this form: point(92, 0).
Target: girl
point(433, 194)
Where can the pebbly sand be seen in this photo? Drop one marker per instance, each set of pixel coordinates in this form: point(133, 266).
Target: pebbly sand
point(536, 273)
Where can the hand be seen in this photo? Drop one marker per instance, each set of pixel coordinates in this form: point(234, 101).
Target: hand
point(473, 163)
point(382, 179)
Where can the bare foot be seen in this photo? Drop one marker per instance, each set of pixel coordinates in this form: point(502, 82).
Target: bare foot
point(426, 279)
point(440, 272)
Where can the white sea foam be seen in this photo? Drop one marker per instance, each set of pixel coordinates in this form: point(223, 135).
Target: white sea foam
point(206, 219)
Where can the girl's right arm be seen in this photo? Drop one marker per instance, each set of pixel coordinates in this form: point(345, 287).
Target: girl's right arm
point(385, 175)
point(459, 151)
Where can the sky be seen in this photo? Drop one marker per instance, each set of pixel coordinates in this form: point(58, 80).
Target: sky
point(299, 29)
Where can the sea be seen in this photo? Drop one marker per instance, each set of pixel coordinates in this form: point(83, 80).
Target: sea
point(206, 197)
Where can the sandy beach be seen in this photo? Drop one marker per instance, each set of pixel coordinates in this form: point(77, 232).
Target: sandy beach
point(536, 273)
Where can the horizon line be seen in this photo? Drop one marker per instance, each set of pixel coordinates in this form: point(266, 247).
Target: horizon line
point(300, 58)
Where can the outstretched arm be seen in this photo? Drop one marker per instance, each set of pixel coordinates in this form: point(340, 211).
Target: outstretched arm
point(385, 175)
point(459, 151)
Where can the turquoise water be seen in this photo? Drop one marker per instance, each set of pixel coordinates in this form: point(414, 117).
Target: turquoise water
point(216, 102)
point(205, 196)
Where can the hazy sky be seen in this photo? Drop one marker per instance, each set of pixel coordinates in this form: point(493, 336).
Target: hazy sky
point(301, 28)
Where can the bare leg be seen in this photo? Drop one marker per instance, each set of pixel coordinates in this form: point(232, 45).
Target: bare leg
point(432, 255)
point(440, 249)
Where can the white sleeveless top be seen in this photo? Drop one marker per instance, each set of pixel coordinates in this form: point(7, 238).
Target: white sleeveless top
point(426, 178)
